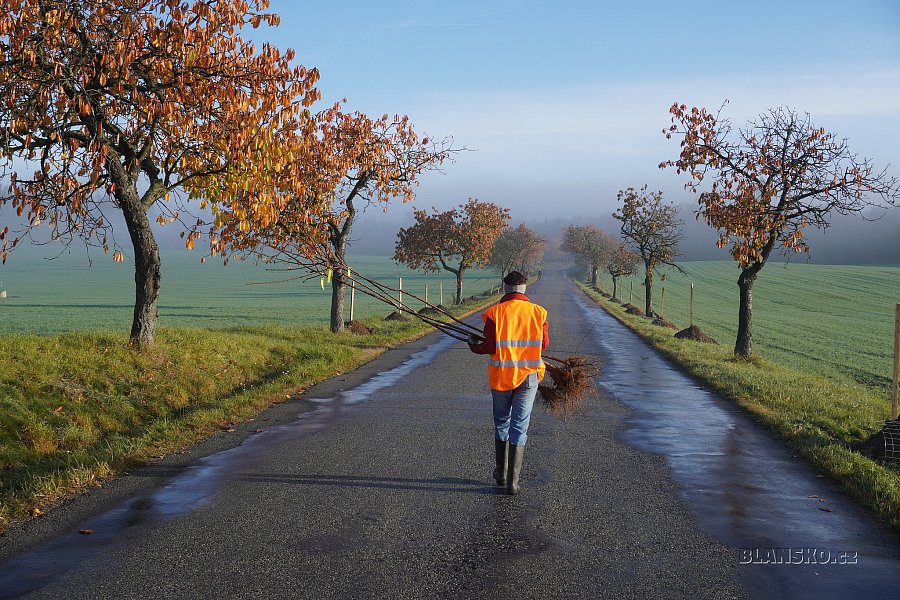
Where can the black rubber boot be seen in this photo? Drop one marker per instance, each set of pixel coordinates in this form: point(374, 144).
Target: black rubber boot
point(501, 449)
point(516, 456)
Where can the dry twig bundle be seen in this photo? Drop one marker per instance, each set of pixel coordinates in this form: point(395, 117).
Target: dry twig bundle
point(570, 383)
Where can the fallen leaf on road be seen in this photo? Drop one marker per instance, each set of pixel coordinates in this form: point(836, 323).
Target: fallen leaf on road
point(259, 431)
point(820, 477)
point(813, 496)
point(86, 531)
point(36, 512)
point(825, 508)
point(229, 429)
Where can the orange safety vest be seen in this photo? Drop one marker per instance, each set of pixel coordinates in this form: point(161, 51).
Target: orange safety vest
point(520, 334)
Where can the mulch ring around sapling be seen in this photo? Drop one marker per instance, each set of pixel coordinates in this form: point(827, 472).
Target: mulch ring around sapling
point(694, 333)
point(631, 309)
point(430, 311)
point(568, 382)
point(661, 322)
point(396, 316)
point(360, 328)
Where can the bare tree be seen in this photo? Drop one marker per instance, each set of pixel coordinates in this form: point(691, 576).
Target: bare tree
point(590, 245)
point(519, 249)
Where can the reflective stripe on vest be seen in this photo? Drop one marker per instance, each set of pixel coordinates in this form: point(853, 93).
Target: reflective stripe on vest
point(519, 326)
point(518, 343)
point(516, 363)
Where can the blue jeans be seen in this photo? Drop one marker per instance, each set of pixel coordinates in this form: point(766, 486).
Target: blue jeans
point(512, 411)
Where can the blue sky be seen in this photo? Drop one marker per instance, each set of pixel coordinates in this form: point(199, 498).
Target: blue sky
point(563, 102)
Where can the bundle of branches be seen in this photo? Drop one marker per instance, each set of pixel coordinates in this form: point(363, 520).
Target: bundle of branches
point(570, 383)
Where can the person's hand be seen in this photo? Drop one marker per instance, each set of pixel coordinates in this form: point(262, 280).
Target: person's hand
point(474, 340)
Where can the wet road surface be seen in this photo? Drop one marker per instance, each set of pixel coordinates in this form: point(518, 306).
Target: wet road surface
point(377, 484)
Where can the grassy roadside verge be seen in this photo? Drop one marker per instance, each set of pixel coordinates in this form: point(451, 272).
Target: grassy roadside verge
point(78, 409)
point(816, 417)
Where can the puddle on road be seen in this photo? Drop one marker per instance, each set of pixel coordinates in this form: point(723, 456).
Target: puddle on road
point(744, 488)
point(421, 358)
point(192, 487)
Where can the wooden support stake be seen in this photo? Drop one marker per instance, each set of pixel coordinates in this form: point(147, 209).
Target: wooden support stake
point(442, 293)
point(631, 294)
point(352, 299)
point(426, 294)
point(692, 304)
point(400, 295)
point(662, 304)
point(894, 389)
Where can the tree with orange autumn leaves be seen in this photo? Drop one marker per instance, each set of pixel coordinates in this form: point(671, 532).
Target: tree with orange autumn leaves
point(121, 107)
point(770, 180)
point(464, 235)
point(520, 249)
point(353, 162)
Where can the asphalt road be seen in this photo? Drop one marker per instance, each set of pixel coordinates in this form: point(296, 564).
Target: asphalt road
point(376, 484)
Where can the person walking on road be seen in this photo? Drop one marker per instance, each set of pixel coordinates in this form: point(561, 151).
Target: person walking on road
point(515, 334)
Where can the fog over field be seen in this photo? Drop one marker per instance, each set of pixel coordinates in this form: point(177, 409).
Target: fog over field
point(850, 240)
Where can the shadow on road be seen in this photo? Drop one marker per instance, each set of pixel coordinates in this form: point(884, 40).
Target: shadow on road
point(440, 484)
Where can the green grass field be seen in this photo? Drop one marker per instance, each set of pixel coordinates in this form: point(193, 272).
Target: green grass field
point(66, 294)
point(836, 321)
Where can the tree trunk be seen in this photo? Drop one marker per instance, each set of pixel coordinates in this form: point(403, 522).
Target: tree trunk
point(648, 292)
point(594, 276)
point(744, 344)
point(456, 272)
point(147, 268)
point(338, 282)
point(615, 287)
point(339, 236)
point(459, 285)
